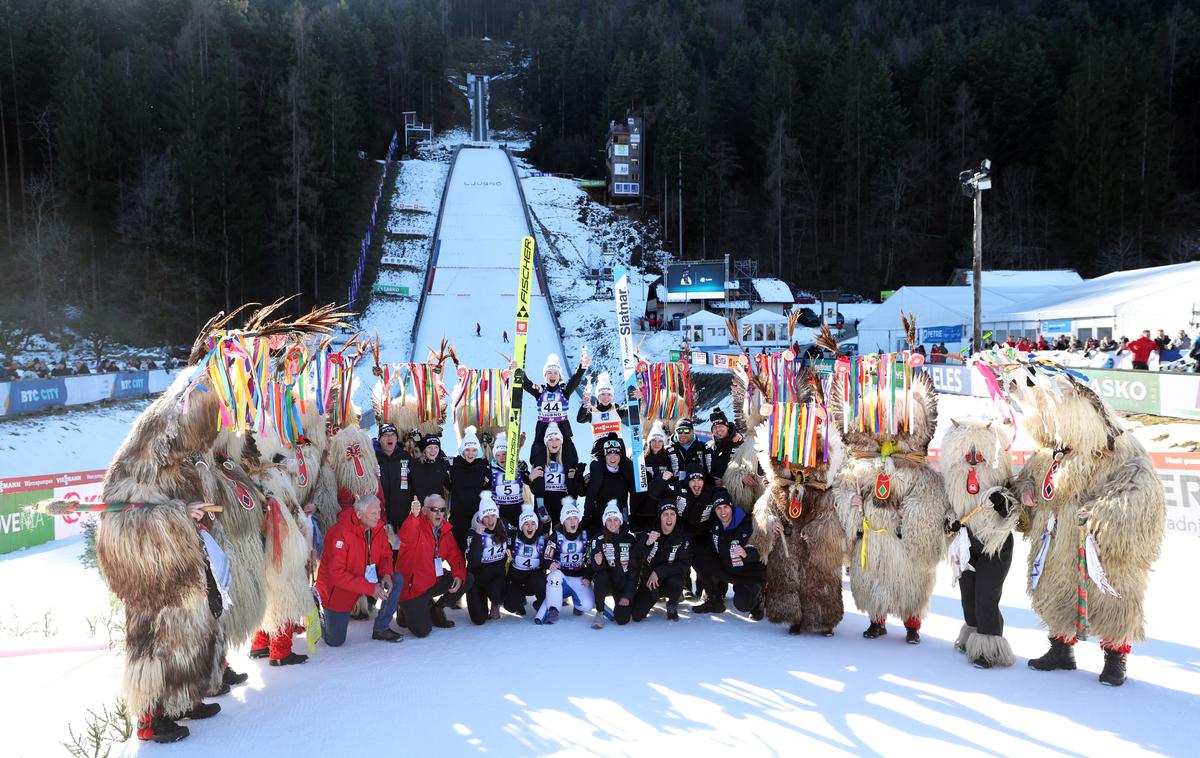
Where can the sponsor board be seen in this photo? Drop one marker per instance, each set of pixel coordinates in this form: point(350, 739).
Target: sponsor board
point(21, 527)
point(1180, 477)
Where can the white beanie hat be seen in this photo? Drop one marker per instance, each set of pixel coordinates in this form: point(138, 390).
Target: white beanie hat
point(501, 443)
point(469, 439)
point(569, 509)
point(611, 510)
point(657, 432)
point(487, 506)
point(527, 514)
point(604, 383)
point(552, 362)
point(552, 433)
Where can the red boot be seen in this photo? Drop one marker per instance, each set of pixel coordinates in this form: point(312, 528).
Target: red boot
point(281, 648)
point(260, 645)
point(912, 626)
point(158, 728)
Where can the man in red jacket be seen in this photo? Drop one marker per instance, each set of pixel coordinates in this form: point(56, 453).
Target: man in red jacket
point(357, 560)
point(1141, 348)
point(426, 540)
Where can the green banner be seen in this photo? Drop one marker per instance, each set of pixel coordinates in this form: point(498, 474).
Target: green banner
point(594, 183)
point(389, 289)
point(1131, 391)
point(676, 355)
point(21, 528)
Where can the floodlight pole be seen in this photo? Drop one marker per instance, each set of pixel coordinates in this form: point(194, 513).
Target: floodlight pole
point(977, 276)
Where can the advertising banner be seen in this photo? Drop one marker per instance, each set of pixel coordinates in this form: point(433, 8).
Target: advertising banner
point(1131, 391)
point(695, 280)
point(1056, 327)
point(22, 528)
point(32, 395)
point(1179, 395)
point(950, 378)
point(933, 334)
point(131, 384)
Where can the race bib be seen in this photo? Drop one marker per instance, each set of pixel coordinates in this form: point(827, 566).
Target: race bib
point(605, 422)
point(555, 477)
point(504, 492)
point(552, 406)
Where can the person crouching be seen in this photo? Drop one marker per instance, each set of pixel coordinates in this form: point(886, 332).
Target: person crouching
point(426, 545)
point(357, 560)
point(487, 549)
point(614, 568)
point(568, 572)
point(527, 572)
point(665, 557)
point(733, 560)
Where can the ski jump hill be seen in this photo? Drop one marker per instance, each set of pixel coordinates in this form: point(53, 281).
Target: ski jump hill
point(473, 269)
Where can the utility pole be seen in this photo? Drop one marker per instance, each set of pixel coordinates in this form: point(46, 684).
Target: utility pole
point(679, 203)
point(973, 185)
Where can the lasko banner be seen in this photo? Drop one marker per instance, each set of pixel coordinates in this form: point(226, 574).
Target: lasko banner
point(1131, 391)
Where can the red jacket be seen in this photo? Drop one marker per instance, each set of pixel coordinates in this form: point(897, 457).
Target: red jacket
point(1141, 348)
point(341, 577)
point(414, 563)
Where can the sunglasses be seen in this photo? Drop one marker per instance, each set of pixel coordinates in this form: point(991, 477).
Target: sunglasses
point(437, 510)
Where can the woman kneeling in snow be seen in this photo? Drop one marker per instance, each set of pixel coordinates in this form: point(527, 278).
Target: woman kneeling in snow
point(487, 548)
point(526, 573)
point(568, 573)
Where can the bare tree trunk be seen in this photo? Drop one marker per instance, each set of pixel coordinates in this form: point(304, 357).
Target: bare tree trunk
point(8, 225)
point(296, 182)
point(12, 59)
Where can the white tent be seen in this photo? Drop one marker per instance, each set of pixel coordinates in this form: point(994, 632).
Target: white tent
point(705, 329)
point(943, 314)
point(1122, 303)
point(762, 327)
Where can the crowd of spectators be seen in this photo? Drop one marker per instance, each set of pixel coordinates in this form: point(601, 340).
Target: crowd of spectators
point(13, 370)
point(1140, 349)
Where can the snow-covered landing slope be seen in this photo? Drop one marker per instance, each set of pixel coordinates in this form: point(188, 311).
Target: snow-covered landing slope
point(476, 264)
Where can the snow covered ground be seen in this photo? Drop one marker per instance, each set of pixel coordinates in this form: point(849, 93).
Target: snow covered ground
point(706, 684)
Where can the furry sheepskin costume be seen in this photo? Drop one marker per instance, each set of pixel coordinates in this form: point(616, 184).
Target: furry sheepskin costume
point(743, 464)
point(1086, 468)
point(896, 543)
point(804, 564)
point(977, 473)
point(153, 559)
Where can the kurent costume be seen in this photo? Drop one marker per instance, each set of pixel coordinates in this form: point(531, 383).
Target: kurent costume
point(175, 580)
point(891, 502)
point(1094, 490)
point(804, 564)
point(977, 471)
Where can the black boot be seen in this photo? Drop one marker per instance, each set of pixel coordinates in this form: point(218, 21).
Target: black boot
point(981, 663)
point(160, 729)
point(875, 630)
point(795, 630)
point(1114, 669)
point(912, 635)
point(291, 660)
point(711, 605)
point(233, 678)
point(758, 611)
point(202, 711)
point(672, 611)
point(259, 652)
point(1059, 656)
point(387, 635)
point(438, 616)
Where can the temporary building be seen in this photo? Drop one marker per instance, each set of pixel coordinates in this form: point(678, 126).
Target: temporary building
point(1119, 304)
point(705, 330)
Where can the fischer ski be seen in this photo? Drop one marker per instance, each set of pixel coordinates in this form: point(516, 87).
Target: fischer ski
point(520, 338)
point(629, 371)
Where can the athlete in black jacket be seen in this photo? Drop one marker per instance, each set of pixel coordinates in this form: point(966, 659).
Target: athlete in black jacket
point(394, 465)
point(609, 479)
point(731, 560)
point(429, 474)
point(615, 568)
point(468, 477)
point(665, 558)
point(720, 448)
